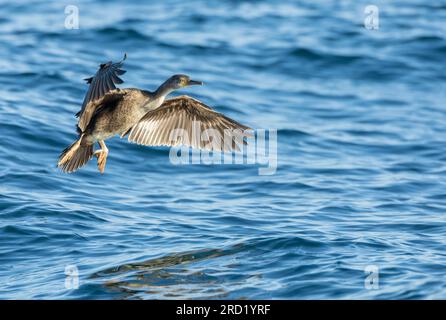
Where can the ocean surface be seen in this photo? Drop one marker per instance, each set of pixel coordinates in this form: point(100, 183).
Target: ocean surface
point(355, 210)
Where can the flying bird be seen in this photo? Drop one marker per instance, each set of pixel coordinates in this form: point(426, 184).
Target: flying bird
point(147, 118)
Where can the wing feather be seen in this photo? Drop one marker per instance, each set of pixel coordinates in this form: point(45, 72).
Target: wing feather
point(109, 100)
point(156, 127)
point(103, 81)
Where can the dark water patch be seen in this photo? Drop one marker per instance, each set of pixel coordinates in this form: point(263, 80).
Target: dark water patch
point(328, 96)
point(117, 33)
point(328, 58)
point(415, 167)
point(293, 133)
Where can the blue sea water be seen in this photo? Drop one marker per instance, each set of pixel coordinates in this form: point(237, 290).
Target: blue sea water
point(359, 193)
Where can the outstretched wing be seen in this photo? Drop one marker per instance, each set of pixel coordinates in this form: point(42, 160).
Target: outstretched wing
point(103, 81)
point(187, 121)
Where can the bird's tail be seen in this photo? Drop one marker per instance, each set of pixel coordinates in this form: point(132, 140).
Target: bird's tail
point(75, 156)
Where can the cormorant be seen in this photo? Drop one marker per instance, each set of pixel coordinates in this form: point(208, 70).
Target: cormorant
point(147, 117)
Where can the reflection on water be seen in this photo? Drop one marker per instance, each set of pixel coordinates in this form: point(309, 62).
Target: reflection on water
point(175, 276)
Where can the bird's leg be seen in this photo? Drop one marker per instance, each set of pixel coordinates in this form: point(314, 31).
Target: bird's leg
point(101, 155)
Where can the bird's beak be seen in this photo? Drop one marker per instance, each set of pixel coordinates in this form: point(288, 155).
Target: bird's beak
point(193, 82)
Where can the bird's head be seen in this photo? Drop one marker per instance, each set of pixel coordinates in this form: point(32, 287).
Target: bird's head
point(180, 81)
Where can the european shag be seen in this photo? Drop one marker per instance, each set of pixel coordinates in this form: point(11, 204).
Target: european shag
point(146, 117)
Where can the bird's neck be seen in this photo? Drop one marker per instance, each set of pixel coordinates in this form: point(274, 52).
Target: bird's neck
point(163, 91)
point(156, 98)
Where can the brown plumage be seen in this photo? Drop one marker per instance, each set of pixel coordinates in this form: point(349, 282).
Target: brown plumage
point(157, 127)
point(147, 118)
